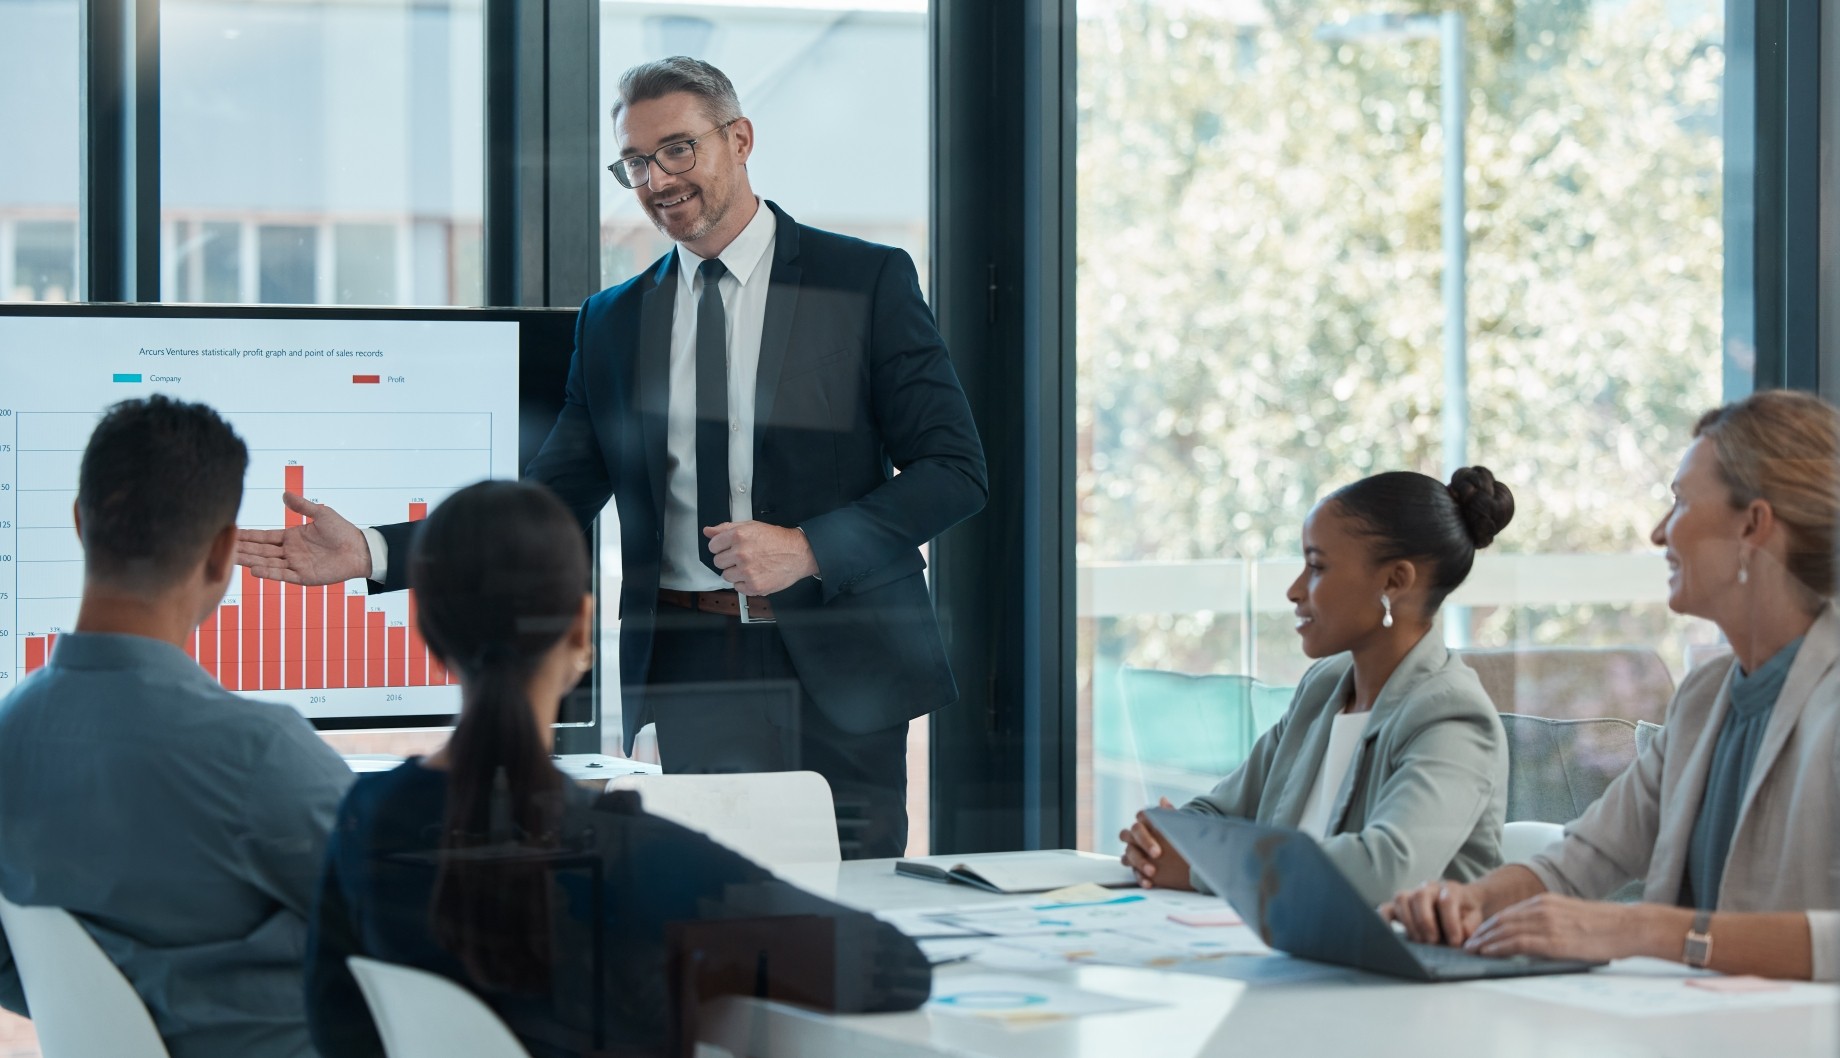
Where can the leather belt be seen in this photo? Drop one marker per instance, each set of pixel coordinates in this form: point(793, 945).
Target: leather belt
point(726, 603)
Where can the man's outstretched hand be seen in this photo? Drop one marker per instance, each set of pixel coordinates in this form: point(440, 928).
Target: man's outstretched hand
point(326, 550)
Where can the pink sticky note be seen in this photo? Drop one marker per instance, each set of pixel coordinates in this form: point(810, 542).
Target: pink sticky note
point(1742, 986)
point(1206, 918)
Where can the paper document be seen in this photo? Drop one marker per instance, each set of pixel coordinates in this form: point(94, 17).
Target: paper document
point(1017, 999)
point(1020, 872)
point(1639, 988)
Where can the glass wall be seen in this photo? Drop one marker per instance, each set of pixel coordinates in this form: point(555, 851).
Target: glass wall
point(40, 142)
point(354, 175)
point(1261, 318)
point(787, 61)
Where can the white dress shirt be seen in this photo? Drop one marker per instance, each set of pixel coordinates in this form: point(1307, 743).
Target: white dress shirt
point(744, 305)
point(1344, 742)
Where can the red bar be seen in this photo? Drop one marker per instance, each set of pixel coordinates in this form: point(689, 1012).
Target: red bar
point(250, 667)
point(50, 646)
point(296, 484)
point(356, 672)
point(295, 599)
point(35, 654)
point(230, 665)
point(373, 649)
point(399, 647)
point(418, 511)
point(335, 635)
point(367, 380)
point(191, 645)
point(315, 624)
point(271, 635)
point(418, 650)
point(207, 644)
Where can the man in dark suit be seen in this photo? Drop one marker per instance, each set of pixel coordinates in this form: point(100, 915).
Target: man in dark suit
point(746, 402)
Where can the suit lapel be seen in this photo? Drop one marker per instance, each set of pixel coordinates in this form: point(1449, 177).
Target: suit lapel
point(1427, 656)
point(776, 328)
point(656, 308)
point(1676, 832)
point(1295, 791)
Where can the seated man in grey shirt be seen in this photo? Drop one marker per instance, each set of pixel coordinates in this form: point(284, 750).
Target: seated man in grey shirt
point(183, 825)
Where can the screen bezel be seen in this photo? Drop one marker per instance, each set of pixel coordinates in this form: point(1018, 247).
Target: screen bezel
point(545, 345)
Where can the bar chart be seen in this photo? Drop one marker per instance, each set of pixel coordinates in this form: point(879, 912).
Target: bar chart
point(333, 652)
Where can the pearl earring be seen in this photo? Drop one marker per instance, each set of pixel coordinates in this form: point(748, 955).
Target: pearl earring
point(1386, 604)
point(1744, 570)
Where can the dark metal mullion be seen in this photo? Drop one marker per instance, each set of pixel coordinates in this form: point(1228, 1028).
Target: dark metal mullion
point(1050, 728)
point(120, 87)
point(1801, 194)
point(1003, 757)
point(146, 157)
point(502, 260)
point(104, 150)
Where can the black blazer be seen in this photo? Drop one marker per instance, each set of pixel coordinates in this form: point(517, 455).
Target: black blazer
point(854, 384)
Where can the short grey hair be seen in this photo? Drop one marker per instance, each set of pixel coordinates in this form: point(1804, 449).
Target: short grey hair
point(680, 73)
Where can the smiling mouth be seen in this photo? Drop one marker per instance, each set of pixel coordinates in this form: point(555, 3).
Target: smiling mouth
point(1304, 622)
point(672, 203)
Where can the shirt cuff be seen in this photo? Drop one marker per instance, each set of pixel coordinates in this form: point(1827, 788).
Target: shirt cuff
point(1824, 944)
point(380, 553)
point(818, 576)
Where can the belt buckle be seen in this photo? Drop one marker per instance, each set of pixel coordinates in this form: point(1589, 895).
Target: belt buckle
point(746, 619)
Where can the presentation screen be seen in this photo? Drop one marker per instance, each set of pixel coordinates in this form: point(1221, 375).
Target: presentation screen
point(379, 414)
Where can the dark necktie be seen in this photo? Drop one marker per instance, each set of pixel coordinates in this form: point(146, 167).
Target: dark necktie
point(711, 405)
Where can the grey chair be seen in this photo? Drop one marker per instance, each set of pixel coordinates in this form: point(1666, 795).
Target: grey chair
point(1575, 683)
point(1556, 768)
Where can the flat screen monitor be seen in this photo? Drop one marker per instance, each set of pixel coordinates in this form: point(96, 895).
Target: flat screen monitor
point(380, 413)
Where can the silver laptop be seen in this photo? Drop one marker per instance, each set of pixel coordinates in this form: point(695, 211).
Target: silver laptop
point(1299, 902)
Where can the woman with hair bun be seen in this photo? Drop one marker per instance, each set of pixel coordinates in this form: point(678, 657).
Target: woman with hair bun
point(1391, 752)
point(1728, 817)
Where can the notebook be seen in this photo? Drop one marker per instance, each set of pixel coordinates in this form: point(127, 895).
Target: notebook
point(1020, 872)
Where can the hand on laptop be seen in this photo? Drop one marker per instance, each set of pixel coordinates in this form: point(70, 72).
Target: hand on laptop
point(1565, 927)
point(1437, 912)
point(1150, 855)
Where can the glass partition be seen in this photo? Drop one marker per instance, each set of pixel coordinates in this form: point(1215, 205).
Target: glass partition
point(41, 141)
point(354, 175)
point(1265, 287)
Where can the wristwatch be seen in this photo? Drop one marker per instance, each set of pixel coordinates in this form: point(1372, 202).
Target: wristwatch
point(1699, 940)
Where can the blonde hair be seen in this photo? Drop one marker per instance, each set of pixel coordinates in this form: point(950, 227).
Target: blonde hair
point(1783, 447)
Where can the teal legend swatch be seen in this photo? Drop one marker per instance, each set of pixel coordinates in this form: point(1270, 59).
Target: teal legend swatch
point(127, 377)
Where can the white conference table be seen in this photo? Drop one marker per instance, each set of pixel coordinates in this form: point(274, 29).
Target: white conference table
point(1271, 1011)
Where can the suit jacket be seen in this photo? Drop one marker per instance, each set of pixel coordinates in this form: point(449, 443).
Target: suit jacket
point(1426, 794)
point(1785, 850)
point(854, 384)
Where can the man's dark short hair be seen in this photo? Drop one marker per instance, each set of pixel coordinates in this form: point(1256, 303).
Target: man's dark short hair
point(160, 478)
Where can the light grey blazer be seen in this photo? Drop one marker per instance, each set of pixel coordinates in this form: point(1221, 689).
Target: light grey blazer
point(1425, 795)
point(1785, 852)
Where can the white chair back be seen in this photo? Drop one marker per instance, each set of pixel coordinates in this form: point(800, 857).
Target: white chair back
point(82, 1006)
point(425, 1015)
point(772, 818)
point(1522, 839)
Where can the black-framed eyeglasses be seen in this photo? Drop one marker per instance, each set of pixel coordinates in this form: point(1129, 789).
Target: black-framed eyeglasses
point(675, 158)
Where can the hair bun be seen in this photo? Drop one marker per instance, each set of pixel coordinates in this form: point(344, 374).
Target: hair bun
point(1487, 506)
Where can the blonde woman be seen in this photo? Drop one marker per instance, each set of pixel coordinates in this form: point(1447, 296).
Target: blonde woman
point(1729, 817)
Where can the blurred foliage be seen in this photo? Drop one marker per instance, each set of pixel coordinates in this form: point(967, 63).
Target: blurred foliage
point(1260, 318)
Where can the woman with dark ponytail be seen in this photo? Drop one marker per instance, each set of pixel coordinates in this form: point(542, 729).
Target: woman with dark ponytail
point(1391, 753)
point(481, 862)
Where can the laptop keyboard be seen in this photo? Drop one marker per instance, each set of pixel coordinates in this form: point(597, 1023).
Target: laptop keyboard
point(1455, 962)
